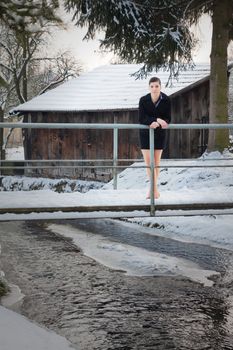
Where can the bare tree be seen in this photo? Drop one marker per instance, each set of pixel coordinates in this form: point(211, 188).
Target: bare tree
point(50, 72)
point(23, 17)
point(26, 71)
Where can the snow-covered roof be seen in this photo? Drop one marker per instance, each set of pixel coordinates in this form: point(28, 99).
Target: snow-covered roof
point(110, 87)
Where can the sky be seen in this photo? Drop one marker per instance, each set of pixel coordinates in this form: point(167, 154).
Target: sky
point(88, 52)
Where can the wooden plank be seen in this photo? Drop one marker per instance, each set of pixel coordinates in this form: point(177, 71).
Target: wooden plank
point(119, 208)
point(110, 214)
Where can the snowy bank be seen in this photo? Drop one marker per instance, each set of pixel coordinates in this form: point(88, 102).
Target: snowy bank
point(17, 332)
point(213, 182)
point(23, 183)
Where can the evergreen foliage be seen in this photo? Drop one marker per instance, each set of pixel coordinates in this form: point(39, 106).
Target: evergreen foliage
point(154, 32)
point(28, 15)
point(139, 31)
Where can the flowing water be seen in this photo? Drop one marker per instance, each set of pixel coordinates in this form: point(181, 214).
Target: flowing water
point(97, 307)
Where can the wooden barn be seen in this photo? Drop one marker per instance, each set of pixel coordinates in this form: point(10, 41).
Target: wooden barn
point(110, 94)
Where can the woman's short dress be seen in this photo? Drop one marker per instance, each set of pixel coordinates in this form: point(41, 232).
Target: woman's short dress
point(160, 138)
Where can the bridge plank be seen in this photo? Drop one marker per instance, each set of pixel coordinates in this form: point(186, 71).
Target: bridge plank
point(117, 208)
point(46, 201)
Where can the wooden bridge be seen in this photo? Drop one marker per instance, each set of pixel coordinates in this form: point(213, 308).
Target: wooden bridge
point(50, 205)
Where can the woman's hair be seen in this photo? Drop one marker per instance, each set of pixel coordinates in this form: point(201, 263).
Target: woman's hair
point(154, 80)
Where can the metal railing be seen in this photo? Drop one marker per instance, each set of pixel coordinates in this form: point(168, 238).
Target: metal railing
point(115, 160)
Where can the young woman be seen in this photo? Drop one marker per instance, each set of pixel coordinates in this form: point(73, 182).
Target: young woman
point(155, 111)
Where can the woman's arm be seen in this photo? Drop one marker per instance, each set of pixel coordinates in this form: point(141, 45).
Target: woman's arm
point(167, 115)
point(167, 111)
point(144, 118)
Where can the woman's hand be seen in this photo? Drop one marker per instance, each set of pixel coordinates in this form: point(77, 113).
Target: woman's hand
point(162, 123)
point(154, 125)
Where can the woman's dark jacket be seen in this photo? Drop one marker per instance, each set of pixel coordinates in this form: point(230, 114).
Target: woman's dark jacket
point(148, 113)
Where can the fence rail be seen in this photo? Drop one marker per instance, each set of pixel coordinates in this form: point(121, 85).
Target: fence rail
point(115, 160)
point(108, 126)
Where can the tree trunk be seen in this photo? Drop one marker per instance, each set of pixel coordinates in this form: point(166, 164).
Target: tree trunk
point(221, 18)
point(25, 54)
point(2, 153)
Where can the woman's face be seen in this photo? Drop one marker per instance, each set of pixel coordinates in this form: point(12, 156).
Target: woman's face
point(155, 88)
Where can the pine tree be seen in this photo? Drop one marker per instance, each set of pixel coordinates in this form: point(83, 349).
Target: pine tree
point(157, 33)
point(28, 15)
point(141, 31)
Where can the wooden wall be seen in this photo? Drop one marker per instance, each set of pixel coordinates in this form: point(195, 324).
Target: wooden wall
point(82, 143)
point(191, 106)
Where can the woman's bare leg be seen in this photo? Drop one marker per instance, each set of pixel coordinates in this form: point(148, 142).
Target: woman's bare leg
point(157, 157)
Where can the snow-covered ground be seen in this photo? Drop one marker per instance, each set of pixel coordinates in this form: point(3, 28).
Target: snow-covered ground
point(17, 332)
point(23, 183)
point(15, 153)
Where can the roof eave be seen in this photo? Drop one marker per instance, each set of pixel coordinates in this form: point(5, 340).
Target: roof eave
point(74, 110)
point(190, 87)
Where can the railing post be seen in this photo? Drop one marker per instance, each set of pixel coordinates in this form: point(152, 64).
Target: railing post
point(1, 139)
point(152, 173)
point(115, 156)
